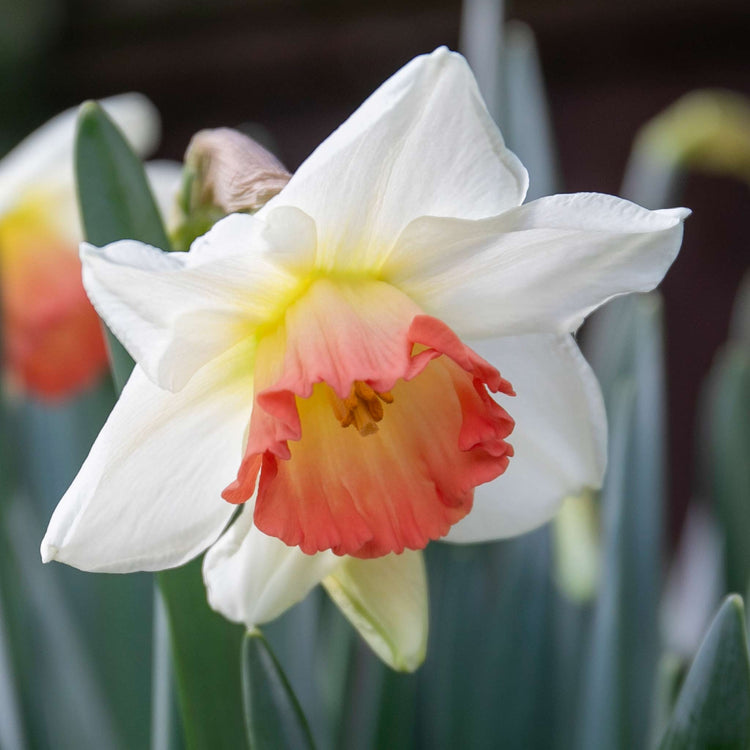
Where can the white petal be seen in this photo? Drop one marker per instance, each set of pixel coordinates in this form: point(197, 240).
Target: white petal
point(386, 600)
point(164, 177)
point(176, 311)
point(138, 119)
point(540, 267)
point(252, 578)
point(46, 156)
point(423, 143)
point(560, 437)
point(149, 494)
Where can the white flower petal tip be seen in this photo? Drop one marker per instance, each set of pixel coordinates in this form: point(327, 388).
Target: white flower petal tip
point(428, 119)
point(176, 312)
point(165, 178)
point(138, 119)
point(252, 578)
point(386, 600)
point(543, 266)
point(148, 496)
point(48, 551)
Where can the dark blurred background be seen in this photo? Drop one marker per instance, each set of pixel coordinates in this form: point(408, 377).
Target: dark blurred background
point(299, 67)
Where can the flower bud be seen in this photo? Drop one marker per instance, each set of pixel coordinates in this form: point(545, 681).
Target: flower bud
point(707, 130)
point(231, 172)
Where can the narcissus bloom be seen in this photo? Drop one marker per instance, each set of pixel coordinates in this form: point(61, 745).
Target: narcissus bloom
point(52, 339)
point(310, 363)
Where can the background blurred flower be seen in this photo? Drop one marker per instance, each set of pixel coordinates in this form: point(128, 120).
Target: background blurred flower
point(708, 129)
point(410, 210)
point(53, 345)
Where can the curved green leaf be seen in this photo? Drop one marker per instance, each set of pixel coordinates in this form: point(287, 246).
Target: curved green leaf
point(273, 717)
point(114, 195)
point(713, 709)
point(115, 200)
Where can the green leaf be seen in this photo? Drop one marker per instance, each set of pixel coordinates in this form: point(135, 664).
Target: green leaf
point(669, 679)
point(273, 716)
point(50, 443)
point(113, 191)
point(525, 101)
point(12, 733)
point(206, 654)
point(396, 728)
point(11, 723)
point(115, 200)
point(378, 706)
point(335, 650)
point(626, 351)
point(313, 669)
point(603, 721)
point(166, 731)
point(52, 655)
point(477, 688)
point(726, 454)
point(713, 709)
point(116, 203)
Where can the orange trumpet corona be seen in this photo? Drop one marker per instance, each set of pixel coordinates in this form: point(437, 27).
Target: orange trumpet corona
point(420, 428)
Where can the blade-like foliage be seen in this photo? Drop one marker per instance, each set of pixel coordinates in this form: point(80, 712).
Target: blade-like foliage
point(273, 716)
point(206, 653)
point(603, 721)
point(478, 688)
point(626, 351)
point(727, 456)
point(713, 709)
point(11, 719)
point(115, 200)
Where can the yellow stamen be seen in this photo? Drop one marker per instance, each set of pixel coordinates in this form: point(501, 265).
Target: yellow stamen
point(361, 408)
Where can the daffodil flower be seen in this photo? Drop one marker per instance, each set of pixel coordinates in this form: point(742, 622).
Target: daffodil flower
point(309, 363)
point(52, 339)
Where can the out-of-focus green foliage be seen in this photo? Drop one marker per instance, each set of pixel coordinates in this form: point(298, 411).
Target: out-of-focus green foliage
point(713, 708)
point(206, 654)
point(273, 716)
point(725, 453)
point(669, 677)
point(605, 722)
point(626, 351)
point(12, 730)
